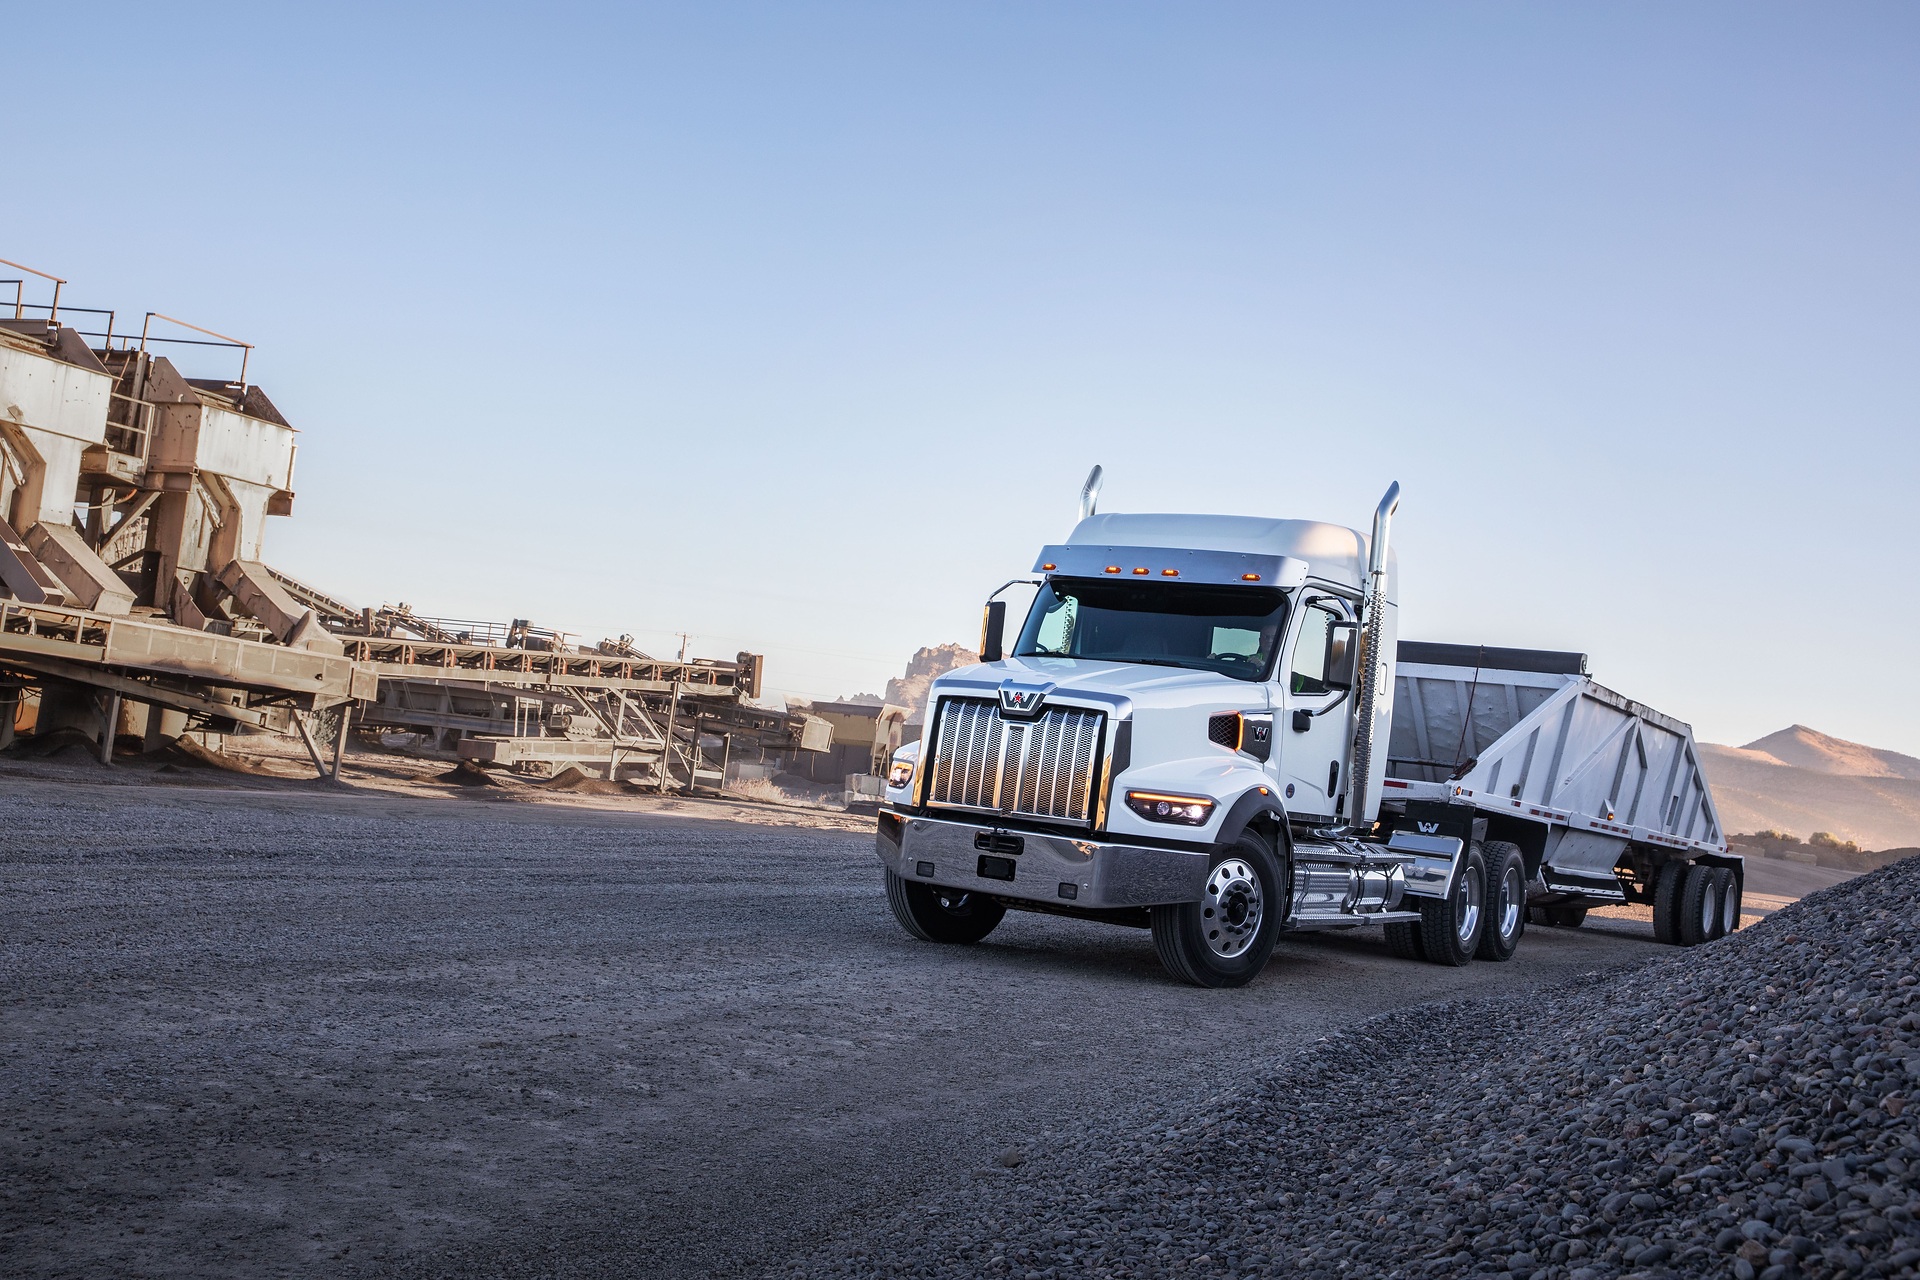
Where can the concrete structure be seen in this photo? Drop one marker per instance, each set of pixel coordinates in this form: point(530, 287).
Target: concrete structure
point(135, 598)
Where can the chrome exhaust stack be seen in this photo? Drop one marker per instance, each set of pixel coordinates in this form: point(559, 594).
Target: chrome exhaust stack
point(1090, 493)
point(1372, 660)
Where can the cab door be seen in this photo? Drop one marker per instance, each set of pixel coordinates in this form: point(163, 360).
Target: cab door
point(1314, 728)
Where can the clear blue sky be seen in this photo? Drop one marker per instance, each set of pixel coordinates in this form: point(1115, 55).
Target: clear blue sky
point(797, 326)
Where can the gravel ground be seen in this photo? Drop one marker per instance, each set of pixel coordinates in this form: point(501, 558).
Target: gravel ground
point(1739, 1109)
point(280, 1030)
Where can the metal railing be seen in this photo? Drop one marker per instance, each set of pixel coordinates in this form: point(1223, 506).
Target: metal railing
point(19, 286)
point(246, 348)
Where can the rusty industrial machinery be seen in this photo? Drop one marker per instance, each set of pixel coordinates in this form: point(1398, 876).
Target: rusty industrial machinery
point(135, 599)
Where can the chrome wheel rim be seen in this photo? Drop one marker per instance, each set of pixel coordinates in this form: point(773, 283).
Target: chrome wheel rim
point(1232, 909)
point(1512, 902)
point(1466, 909)
point(1729, 909)
point(1709, 910)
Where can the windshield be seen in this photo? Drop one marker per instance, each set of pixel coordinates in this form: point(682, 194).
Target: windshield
point(1230, 630)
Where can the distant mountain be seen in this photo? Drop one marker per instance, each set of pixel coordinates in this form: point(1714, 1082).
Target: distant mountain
point(910, 690)
point(1800, 781)
point(1804, 748)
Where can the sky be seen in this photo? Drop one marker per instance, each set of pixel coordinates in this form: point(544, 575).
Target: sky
point(796, 327)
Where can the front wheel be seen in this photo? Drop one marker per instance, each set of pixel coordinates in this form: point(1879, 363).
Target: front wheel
point(933, 914)
point(1224, 939)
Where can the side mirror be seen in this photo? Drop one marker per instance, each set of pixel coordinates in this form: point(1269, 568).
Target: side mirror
point(1343, 654)
point(993, 621)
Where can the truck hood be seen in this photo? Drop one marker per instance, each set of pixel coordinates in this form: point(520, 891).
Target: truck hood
point(1146, 687)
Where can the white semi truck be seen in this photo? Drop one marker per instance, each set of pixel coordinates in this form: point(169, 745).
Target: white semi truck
point(1208, 727)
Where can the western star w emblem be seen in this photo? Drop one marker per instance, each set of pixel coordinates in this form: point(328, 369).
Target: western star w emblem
point(1023, 699)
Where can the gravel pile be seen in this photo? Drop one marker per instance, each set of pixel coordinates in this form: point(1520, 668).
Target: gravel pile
point(1741, 1109)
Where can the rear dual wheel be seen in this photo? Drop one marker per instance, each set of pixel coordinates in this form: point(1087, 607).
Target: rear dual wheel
point(1731, 901)
point(1506, 901)
point(1450, 927)
point(1484, 917)
point(1695, 903)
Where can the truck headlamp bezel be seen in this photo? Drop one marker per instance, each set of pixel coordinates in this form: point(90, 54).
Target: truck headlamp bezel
point(1167, 806)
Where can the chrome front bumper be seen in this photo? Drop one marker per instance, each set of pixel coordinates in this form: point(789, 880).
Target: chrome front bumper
point(1051, 869)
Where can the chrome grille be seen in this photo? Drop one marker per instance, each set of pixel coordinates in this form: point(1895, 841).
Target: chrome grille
point(1039, 768)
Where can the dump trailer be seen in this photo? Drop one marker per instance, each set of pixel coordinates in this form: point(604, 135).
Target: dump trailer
point(1207, 726)
point(1603, 796)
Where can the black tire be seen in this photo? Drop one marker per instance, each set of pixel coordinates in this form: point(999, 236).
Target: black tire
point(1224, 940)
point(1666, 902)
point(1699, 905)
point(1506, 901)
point(933, 914)
point(1730, 902)
point(1450, 927)
point(1403, 939)
point(1565, 917)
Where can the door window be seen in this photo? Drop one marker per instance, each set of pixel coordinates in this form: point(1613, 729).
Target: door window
point(1309, 670)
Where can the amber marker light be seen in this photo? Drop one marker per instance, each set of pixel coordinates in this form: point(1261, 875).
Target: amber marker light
point(1142, 572)
point(1049, 568)
point(1113, 568)
point(1169, 573)
point(1249, 577)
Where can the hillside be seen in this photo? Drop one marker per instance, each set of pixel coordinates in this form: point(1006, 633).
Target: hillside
point(1804, 748)
point(1800, 781)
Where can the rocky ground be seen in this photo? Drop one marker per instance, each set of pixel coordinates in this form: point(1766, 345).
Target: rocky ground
point(1741, 1109)
point(257, 1026)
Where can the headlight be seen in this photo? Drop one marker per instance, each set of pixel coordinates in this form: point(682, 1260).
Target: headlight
point(900, 772)
point(1158, 806)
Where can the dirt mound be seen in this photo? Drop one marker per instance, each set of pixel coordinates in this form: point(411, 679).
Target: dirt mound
point(467, 774)
point(577, 780)
point(60, 744)
point(1743, 1109)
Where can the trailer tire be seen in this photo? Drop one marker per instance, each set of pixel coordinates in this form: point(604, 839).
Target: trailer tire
point(1450, 927)
point(1224, 939)
point(1506, 901)
point(1699, 905)
point(933, 914)
point(1730, 903)
point(1403, 939)
point(1666, 901)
